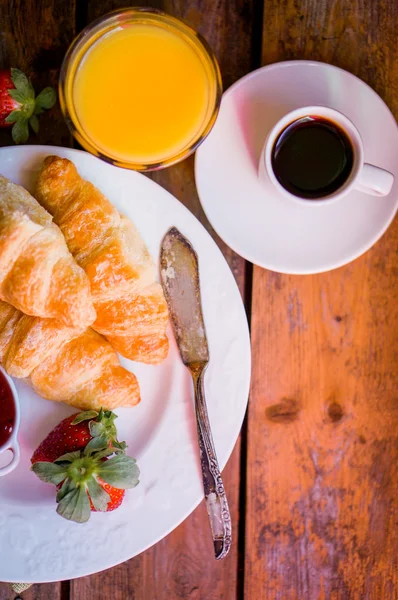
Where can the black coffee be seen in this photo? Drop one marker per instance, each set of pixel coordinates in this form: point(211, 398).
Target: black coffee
point(312, 157)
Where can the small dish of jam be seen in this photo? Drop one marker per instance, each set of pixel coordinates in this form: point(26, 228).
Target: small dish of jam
point(9, 421)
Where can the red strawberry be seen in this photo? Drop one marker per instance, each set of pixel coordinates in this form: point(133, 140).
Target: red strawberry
point(75, 432)
point(18, 104)
point(88, 478)
point(86, 482)
point(7, 103)
point(64, 438)
point(116, 496)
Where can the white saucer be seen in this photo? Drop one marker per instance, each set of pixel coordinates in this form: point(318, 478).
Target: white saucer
point(264, 227)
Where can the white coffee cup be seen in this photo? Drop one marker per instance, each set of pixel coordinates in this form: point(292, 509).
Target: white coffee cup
point(363, 176)
point(12, 442)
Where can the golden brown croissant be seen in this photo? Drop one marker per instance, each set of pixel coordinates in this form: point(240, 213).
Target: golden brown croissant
point(131, 309)
point(38, 274)
point(62, 364)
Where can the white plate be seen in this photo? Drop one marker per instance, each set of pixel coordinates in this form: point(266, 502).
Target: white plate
point(41, 546)
point(266, 228)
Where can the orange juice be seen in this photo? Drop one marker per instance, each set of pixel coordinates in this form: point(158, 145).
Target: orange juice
point(144, 92)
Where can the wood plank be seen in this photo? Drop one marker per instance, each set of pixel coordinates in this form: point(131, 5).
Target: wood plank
point(34, 37)
point(322, 505)
point(182, 565)
point(42, 591)
point(38, 51)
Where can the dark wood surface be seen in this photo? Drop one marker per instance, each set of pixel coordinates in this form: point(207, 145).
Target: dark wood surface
point(312, 482)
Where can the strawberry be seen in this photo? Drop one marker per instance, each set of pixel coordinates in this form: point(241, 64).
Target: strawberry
point(18, 104)
point(116, 496)
point(75, 432)
point(86, 482)
point(7, 103)
point(92, 472)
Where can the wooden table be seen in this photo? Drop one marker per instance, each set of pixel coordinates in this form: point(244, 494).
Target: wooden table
point(313, 480)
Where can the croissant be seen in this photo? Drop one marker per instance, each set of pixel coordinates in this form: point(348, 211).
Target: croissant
point(63, 364)
point(38, 274)
point(131, 309)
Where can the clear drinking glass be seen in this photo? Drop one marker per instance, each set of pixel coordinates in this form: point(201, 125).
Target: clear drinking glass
point(127, 18)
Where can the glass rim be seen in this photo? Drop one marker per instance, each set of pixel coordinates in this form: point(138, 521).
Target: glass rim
point(96, 28)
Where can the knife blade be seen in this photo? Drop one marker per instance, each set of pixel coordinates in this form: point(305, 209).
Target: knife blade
point(180, 280)
point(179, 270)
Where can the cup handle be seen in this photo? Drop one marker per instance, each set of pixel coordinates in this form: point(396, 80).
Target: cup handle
point(14, 461)
point(375, 181)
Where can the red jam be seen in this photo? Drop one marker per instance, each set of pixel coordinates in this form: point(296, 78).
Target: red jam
point(7, 411)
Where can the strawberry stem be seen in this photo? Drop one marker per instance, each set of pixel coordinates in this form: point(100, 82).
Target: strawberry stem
point(80, 475)
point(28, 106)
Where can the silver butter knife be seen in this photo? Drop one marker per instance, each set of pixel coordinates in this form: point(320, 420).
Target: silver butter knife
point(180, 281)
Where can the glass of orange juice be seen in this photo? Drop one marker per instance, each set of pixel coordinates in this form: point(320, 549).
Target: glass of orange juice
point(140, 89)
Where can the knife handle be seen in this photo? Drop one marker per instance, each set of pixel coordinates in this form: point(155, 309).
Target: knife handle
point(216, 499)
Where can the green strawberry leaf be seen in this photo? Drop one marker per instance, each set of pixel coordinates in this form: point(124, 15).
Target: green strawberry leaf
point(119, 447)
point(20, 132)
point(26, 109)
point(24, 94)
point(15, 115)
point(110, 416)
point(17, 96)
point(47, 98)
point(96, 444)
point(120, 471)
point(22, 84)
point(103, 453)
point(67, 486)
point(34, 123)
point(99, 497)
point(84, 416)
point(49, 472)
point(96, 428)
point(68, 457)
point(75, 505)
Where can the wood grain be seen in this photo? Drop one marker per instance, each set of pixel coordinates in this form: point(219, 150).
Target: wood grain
point(322, 508)
point(43, 591)
point(34, 37)
point(182, 565)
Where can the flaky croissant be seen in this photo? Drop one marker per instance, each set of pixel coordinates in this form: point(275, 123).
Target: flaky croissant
point(62, 364)
point(131, 309)
point(38, 274)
